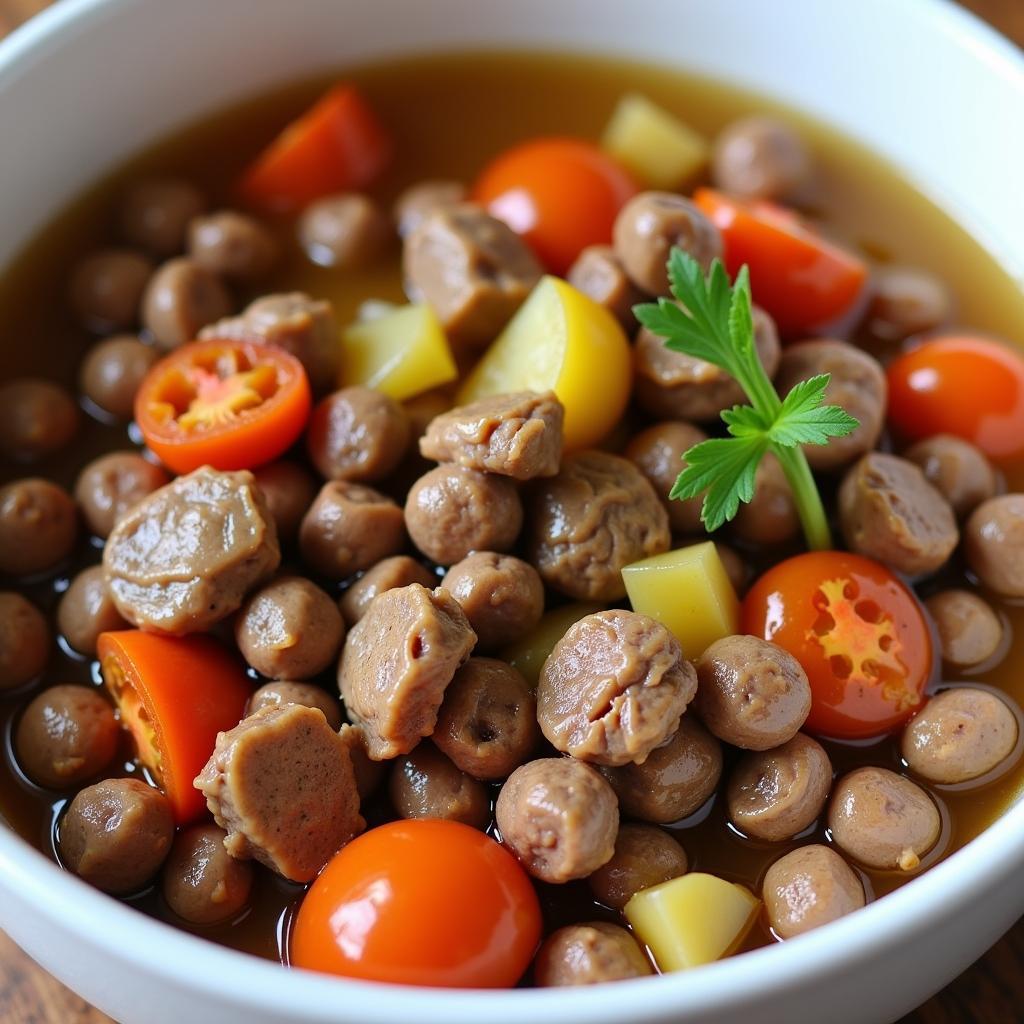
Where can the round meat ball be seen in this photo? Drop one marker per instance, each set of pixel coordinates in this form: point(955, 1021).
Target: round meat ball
point(349, 527)
point(86, 610)
point(487, 724)
point(452, 511)
point(994, 542)
point(906, 301)
point(24, 641)
point(649, 226)
point(155, 214)
point(107, 287)
point(66, 736)
point(112, 485)
point(357, 434)
point(278, 692)
point(776, 794)
point(760, 157)
point(599, 514)
point(116, 834)
point(502, 596)
point(645, 855)
point(883, 820)
point(771, 517)
point(38, 526)
point(423, 198)
point(387, 574)
point(969, 630)
point(961, 734)
point(857, 385)
point(181, 298)
point(234, 245)
point(289, 490)
point(658, 452)
point(559, 817)
point(808, 888)
point(956, 469)
point(613, 688)
point(676, 779)
point(37, 418)
point(201, 882)
point(112, 372)
point(289, 629)
point(425, 784)
point(751, 693)
point(348, 231)
point(589, 954)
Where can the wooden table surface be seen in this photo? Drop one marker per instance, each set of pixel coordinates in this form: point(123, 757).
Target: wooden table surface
point(990, 992)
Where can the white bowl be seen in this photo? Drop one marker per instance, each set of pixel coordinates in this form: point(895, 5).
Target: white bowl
point(91, 81)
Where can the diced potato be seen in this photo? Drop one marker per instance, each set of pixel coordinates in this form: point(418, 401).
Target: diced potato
point(532, 651)
point(402, 353)
point(687, 590)
point(659, 149)
point(692, 920)
point(563, 341)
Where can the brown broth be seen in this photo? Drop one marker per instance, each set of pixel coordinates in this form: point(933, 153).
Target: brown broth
point(449, 115)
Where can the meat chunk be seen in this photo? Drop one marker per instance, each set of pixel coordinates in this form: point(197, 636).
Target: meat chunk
point(957, 470)
point(808, 888)
point(234, 245)
point(760, 157)
point(614, 688)
point(675, 780)
point(37, 418)
point(598, 514)
point(658, 453)
point(969, 630)
point(24, 641)
point(397, 662)
point(425, 784)
point(776, 794)
point(38, 526)
point(906, 301)
point(201, 882)
point(994, 541)
point(559, 817)
point(487, 723)
point(889, 512)
point(883, 820)
point(86, 609)
point(645, 855)
point(293, 321)
point(589, 954)
point(517, 435)
point(598, 272)
point(961, 734)
point(185, 556)
point(111, 485)
point(280, 692)
point(348, 231)
point(289, 490)
point(672, 385)
point(473, 269)
point(857, 385)
point(281, 784)
point(369, 774)
point(387, 574)
point(181, 298)
point(421, 199)
point(751, 693)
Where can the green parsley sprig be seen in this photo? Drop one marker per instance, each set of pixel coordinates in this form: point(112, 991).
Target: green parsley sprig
point(713, 322)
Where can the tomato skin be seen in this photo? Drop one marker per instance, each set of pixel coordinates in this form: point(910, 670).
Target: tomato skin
point(963, 385)
point(420, 902)
point(804, 281)
point(227, 437)
point(560, 194)
point(858, 632)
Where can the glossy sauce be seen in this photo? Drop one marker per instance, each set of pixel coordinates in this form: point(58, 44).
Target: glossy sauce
point(449, 116)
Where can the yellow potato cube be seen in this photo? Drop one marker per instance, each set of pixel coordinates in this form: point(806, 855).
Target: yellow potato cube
point(530, 653)
point(687, 590)
point(659, 149)
point(692, 920)
point(402, 353)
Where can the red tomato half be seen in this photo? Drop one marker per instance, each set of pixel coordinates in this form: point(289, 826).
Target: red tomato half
point(858, 632)
point(420, 902)
point(560, 194)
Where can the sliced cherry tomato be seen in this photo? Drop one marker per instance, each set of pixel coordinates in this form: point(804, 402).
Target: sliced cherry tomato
point(805, 282)
point(963, 385)
point(226, 404)
point(338, 144)
point(858, 632)
point(420, 902)
point(560, 194)
point(174, 694)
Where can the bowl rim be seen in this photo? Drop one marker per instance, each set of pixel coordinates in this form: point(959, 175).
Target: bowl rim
point(158, 949)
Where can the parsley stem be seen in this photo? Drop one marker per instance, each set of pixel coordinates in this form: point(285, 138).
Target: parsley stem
point(805, 494)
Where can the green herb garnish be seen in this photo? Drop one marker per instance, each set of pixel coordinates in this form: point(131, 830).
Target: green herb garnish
point(713, 322)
